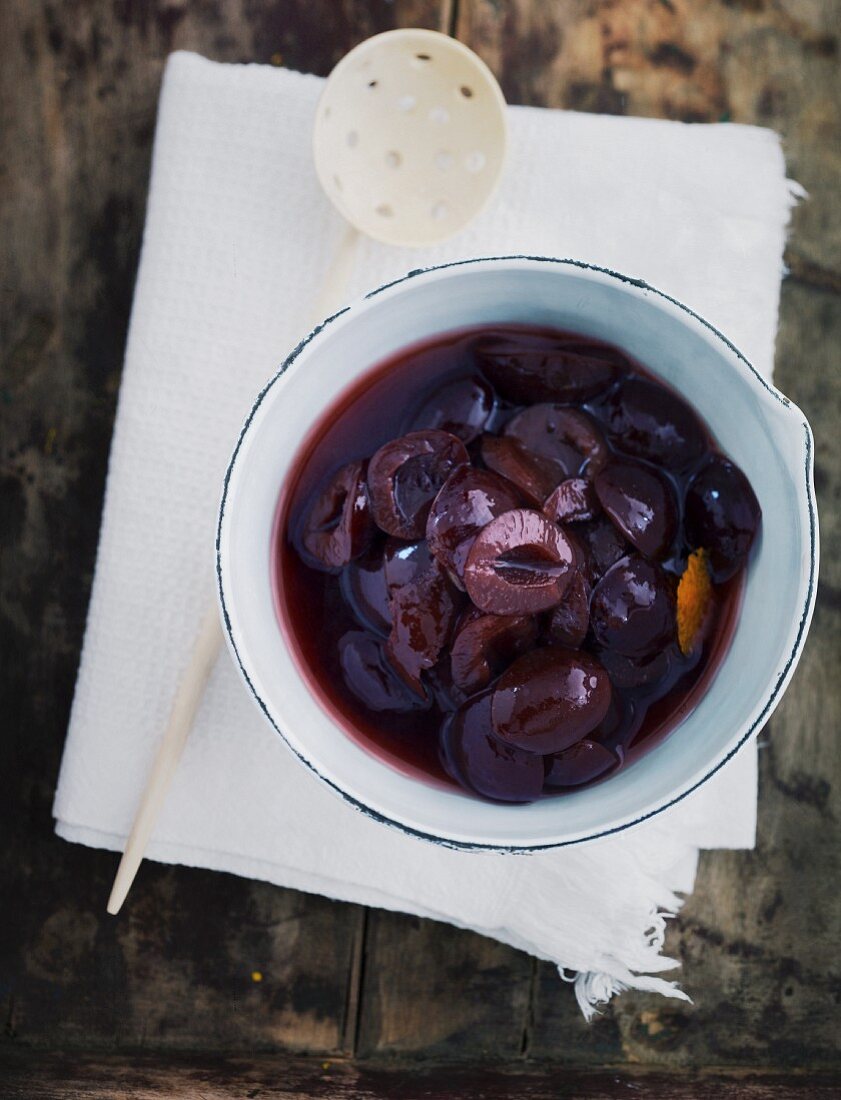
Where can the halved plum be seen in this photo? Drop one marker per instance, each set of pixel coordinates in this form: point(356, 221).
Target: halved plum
point(530, 368)
point(534, 475)
point(461, 407)
point(569, 436)
point(483, 764)
point(337, 526)
point(722, 516)
point(603, 547)
point(365, 590)
point(647, 420)
point(405, 562)
point(486, 644)
point(371, 678)
point(424, 606)
point(549, 699)
point(620, 724)
point(570, 620)
point(404, 477)
point(519, 564)
point(574, 501)
point(638, 674)
point(641, 502)
point(468, 500)
point(579, 764)
point(448, 696)
point(632, 610)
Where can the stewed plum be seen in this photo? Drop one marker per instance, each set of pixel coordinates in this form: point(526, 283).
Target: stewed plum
point(641, 502)
point(485, 645)
point(468, 500)
point(535, 367)
point(338, 526)
point(481, 762)
point(603, 546)
point(461, 407)
point(645, 419)
point(534, 475)
point(424, 605)
point(365, 589)
point(526, 589)
point(565, 434)
point(722, 516)
point(570, 620)
point(369, 675)
point(579, 764)
point(574, 501)
point(404, 477)
point(632, 610)
point(627, 673)
point(520, 563)
point(549, 699)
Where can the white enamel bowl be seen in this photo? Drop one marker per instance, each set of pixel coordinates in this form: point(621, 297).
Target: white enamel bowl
point(762, 431)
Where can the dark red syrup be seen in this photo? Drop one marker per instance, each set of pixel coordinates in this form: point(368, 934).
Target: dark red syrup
point(602, 480)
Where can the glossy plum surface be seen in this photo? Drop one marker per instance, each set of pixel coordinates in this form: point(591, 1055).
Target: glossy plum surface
point(477, 759)
point(478, 554)
point(404, 477)
point(520, 563)
point(549, 699)
point(467, 502)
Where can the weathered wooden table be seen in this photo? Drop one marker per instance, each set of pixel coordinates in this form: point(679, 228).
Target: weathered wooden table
point(211, 986)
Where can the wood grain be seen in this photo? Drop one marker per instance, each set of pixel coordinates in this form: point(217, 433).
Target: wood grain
point(145, 1077)
point(758, 939)
point(438, 991)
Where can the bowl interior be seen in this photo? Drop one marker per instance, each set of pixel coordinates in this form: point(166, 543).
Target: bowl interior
point(752, 424)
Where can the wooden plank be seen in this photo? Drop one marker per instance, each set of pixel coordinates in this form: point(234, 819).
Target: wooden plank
point(96, 1077)
point(436, 990)
point(79, 93)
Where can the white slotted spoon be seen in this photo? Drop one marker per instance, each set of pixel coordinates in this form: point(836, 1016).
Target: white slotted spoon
point(409, 143)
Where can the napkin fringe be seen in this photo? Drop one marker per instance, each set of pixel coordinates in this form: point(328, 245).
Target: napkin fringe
point(598, 987)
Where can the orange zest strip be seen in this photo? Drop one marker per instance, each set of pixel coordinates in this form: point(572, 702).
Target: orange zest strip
point(694, 594)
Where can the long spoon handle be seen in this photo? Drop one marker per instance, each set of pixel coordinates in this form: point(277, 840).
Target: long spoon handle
point(205, 652)
point(187, 699)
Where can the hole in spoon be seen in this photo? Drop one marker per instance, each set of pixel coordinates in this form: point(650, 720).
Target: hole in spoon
point(393, 159)
point(423, 57)
point(466, 91)
point(384, 210)
point(373, 83)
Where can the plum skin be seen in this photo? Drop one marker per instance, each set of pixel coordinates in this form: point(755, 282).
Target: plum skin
point(549, 699)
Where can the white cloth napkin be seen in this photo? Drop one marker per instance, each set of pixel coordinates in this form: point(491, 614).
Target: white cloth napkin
point(238, 238)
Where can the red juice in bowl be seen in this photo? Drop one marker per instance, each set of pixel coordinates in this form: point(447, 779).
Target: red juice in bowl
point(510, 558)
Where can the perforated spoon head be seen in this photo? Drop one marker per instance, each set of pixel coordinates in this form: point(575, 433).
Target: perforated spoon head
point(410, 136)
